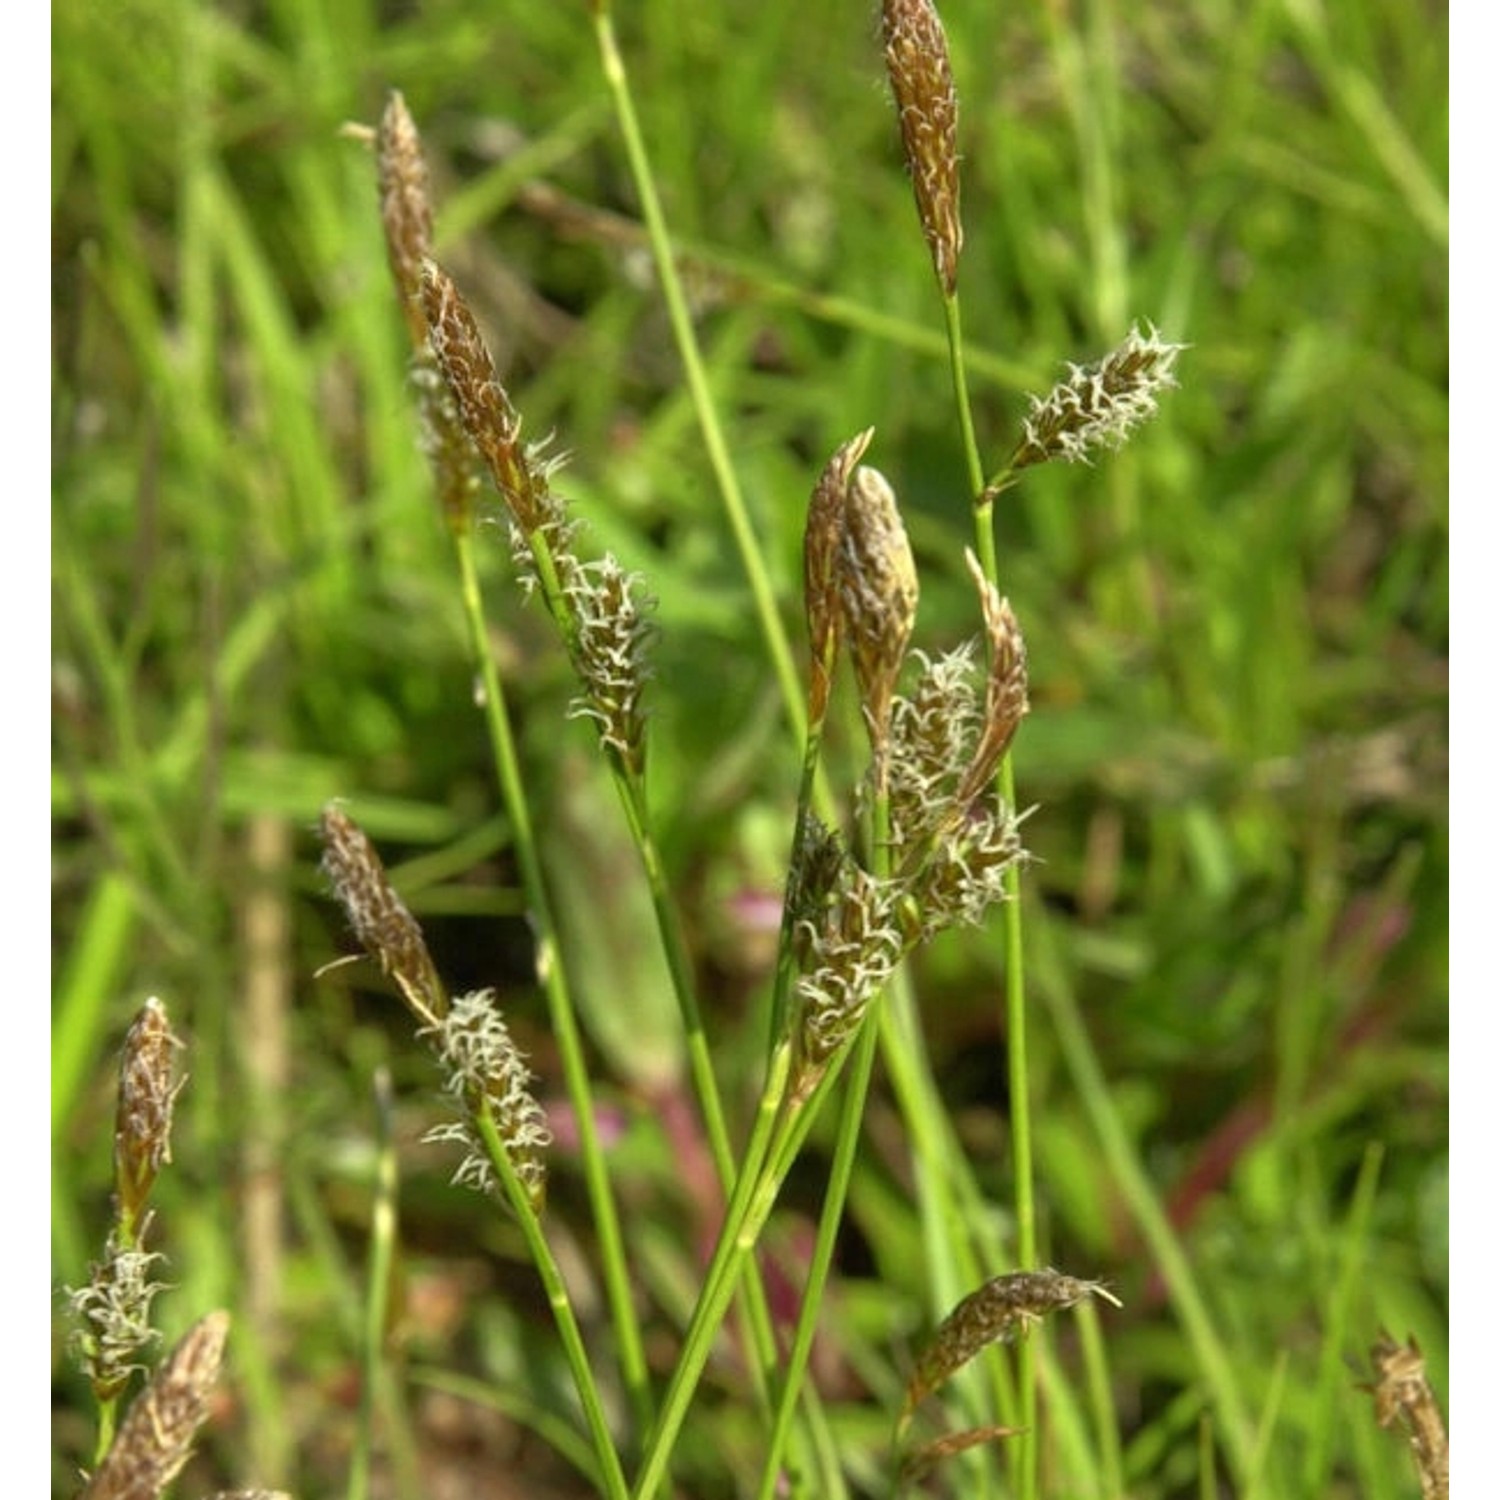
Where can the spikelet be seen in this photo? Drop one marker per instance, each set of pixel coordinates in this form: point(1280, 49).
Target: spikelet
point(934, 728)
point(1001, 1310)
point(486, 1071)
point(386, 929)
point(112, 1313)
point(1403, 1394)
point(598, 606)
point(608, 649)
point(877, 589)
point(405, 208)
point(143, 1114)
point(1098, 406)
point(406, 217)
point(1005, 703)
point(916, 60)
point(849, 951)
point(156, 1438)
point(489, 418)
point(821, 544)
point(921, 1462)
point(965, 874)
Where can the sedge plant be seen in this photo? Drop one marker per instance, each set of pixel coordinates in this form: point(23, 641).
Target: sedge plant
point(932, 840)
point(933, 845)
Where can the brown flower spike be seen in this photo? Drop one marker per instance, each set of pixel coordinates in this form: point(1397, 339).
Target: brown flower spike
point(156, 1438)
point(820, 566)
point(1403, 1395)
point(492, 422)
point(1001, 1310)
point(877, 587)
point(143, 1116)
point(381, 922)
point(916, 59)
point(918, 1465)
point(405, 208)
point(406, 215)
point(1005, 700)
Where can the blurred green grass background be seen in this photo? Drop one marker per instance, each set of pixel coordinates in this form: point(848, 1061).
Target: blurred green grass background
point(1237, 632)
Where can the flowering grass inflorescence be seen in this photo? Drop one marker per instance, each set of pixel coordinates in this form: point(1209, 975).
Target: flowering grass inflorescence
point(481, 1066)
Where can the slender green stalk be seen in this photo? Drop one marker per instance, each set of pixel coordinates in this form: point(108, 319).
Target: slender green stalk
point(1127, 1171)
point(718, 1282)
point(1020, 1136)
point(1026, 1447)
point(705, 1082)
point(630, 788)
point(751, 557)
point(1332, 1375)
point(377, 1290)
point(836, 1192)
point(553, 976)
point(781, 1129)
point(1108, 1461)
point(752, 560)
point(611, 1476)
point(962, 1241)
point(957, 368)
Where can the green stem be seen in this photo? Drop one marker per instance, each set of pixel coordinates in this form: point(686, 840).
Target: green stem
point(953, 323)
point(1129, 1174)
point(378, 1289)
point(1026, 1447)
point(1020, 1133)
point(835, 1195)
point(553, 977)
point(836, 1192)
point(781, 1129)
point(630, 788)
point(718, 1283)
point(700, 1063)
point(610, 1475)
point(751, 557)
point(109, 1411)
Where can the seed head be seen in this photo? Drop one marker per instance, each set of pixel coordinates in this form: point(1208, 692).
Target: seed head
point(492, 422)
point(485, 1070)
point(156, 1438)
point(821, 544)
point(1098, 406)
point(454, 459)
point(112, 1314)
point(1005, 700)
point(1404, 1395)
point(143, 1115)
point(965, 873)
point(877, 587)
point(381, 922)
point(1001, 1310)
point(851, 949)
point(405, 208)
point(934, 728)
point(916, 59)
point(609, 653)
